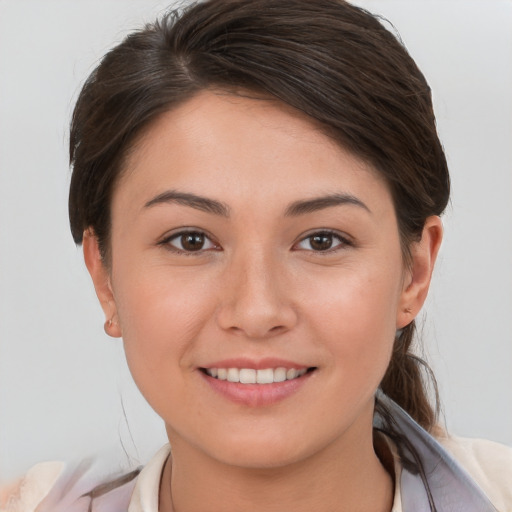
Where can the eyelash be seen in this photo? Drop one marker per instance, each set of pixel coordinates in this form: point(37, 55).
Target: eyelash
point(344, 240)
point(166, 242)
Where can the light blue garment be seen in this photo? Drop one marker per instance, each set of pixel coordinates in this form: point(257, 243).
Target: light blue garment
point(431, 480)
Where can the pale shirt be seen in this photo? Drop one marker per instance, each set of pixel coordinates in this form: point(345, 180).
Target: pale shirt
point(488, 463)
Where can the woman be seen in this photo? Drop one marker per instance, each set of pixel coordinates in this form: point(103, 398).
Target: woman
point(257, 187)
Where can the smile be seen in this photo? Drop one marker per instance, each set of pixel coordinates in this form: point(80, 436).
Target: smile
point(252, 376)
point(256, 387)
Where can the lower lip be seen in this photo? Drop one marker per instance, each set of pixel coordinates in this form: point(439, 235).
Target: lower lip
point(256, 395)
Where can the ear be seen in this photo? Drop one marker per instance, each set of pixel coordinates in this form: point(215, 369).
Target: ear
point(102, 284)
point(419, 274)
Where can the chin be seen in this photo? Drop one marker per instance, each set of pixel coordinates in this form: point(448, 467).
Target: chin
point(261, 455)
point(264, 447)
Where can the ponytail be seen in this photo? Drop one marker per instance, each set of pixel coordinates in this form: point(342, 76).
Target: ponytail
point(407, 381)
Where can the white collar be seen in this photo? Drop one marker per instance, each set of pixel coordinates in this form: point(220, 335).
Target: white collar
point(147, 488)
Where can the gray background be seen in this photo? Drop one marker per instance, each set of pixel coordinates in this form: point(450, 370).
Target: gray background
point(64, 383)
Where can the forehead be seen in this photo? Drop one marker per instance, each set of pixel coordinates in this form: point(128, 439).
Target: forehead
point(242, 148)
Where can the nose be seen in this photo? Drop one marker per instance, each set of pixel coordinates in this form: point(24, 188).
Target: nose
point(255, 300)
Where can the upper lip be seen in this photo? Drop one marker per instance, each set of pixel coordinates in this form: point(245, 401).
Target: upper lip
point(259, 364)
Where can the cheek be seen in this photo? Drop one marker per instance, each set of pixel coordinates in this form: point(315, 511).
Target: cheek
point(354, 314)
point(160, 319)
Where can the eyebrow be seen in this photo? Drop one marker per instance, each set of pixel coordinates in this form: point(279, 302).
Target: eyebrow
point(322, 202)
point(297, 208)
point(194, 201)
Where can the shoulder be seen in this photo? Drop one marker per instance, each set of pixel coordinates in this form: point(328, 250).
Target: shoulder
point(487, 462)
point(26, 493)
point(60, 487)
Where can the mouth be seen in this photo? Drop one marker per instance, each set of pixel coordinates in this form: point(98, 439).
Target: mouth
point(263, 386)
point(262, 376)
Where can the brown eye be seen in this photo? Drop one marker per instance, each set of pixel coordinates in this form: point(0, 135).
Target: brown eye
point(189, 241)
point(323, 241)
point(192, 241)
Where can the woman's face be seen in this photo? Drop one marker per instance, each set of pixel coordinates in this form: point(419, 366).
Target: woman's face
point(245, 241)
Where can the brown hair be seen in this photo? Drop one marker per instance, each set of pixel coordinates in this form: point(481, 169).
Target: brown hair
point(331, 60)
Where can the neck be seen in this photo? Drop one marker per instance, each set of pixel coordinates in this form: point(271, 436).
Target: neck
point(345, 476)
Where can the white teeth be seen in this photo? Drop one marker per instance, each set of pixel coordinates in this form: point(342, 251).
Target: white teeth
point(233, 375)
point(247, 376)
point(265, 376)
point(291, 374)
point(279, 374)
point(251, 376)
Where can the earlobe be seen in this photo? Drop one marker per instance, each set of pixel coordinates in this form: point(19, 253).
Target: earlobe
point(417, 282)
point(102, 284)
